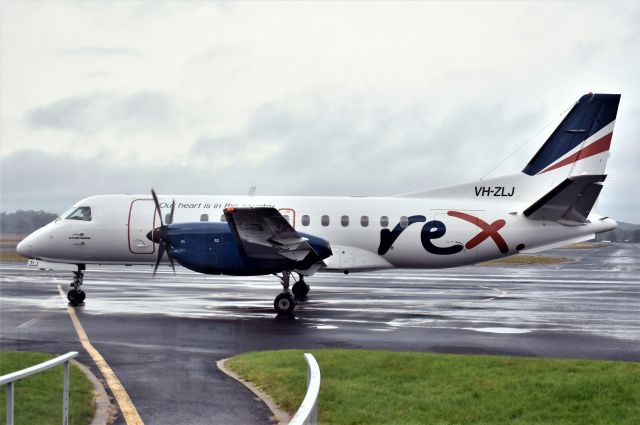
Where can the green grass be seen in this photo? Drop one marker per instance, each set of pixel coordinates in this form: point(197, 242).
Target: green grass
point(384, 387)
point(519, 260)
point(11, 256)
point(38, 398)
point(585, 245)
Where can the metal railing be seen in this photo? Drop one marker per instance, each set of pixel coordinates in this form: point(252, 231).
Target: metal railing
point(10, 378)
point(308, 411)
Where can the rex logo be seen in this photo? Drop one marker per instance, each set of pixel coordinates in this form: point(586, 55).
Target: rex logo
point(436, 229)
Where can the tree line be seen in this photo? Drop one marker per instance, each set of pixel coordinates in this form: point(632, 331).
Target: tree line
point(23, 222)
point(620, 235)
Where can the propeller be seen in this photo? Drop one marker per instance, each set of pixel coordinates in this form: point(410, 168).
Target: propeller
point(159, 235)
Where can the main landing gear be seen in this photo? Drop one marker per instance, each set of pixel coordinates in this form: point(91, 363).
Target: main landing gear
point(286, 301)
point(76, 295)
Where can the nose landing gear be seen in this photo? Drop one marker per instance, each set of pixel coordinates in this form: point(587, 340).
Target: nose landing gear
point(76, 295)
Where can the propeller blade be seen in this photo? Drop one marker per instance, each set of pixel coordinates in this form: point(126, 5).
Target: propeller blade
point(159, 257)
point(173, 207)
point(155, 199)
point(159, 234)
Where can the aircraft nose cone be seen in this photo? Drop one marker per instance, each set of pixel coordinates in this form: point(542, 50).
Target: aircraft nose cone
point(24, 248)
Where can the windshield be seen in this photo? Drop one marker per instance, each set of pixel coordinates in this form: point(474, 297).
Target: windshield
point(80, 213)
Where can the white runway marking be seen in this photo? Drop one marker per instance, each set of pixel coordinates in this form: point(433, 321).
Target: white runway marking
point(500, 330)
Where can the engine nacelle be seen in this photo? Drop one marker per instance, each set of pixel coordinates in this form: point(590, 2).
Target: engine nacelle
point(212, 248)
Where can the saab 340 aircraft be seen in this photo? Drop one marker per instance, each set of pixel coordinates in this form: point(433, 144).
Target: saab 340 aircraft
point(548, 204)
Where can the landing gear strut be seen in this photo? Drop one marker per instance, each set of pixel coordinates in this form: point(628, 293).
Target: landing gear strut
point(76, 295)
point(285, 302)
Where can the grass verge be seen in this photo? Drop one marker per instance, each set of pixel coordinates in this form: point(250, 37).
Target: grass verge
point(38, 398)
point(585, 245)
point(11, 256)
point(525, 260)
point(384, 387)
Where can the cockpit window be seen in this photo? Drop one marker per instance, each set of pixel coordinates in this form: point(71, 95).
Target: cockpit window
point(80, 213)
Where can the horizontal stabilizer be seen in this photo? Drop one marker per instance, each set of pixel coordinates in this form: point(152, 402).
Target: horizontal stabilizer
point(571, 200)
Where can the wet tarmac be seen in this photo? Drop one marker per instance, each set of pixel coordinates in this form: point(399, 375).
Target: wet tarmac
point(163, 336)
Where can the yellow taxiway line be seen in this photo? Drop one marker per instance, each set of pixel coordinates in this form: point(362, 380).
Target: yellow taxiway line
point(127, 408)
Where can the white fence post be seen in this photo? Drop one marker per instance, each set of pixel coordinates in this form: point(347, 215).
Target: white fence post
point(10, 403)
point(65, 395)
point(308, 411)
point(10, 378)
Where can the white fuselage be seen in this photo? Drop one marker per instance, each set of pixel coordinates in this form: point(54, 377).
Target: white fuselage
point(116, 233)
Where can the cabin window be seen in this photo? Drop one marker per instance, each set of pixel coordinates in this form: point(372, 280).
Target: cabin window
point(80, 213)
point(223, 218)
point(344, 220)
point(384, 221)
point(364, 220)
point(324, 220)
point(305, 220)
point(204, 217)
point(404, 221)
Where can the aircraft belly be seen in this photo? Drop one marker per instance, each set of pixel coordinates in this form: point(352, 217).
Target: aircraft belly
point(351, 258)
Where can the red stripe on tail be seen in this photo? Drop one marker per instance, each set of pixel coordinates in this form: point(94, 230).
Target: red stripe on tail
point(599, 146)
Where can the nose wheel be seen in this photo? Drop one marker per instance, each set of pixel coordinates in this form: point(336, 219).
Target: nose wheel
point(76, 295)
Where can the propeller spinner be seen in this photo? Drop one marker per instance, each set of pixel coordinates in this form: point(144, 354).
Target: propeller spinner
point(159, 235)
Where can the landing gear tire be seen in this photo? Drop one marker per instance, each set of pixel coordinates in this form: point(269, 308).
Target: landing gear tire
point(300, 289)
point(284, 303)
point(76, 296)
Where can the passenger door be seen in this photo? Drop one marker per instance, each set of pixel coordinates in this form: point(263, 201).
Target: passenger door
point(142, 219)
point(289, 214)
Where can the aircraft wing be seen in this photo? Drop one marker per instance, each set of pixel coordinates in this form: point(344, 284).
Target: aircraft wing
point(265, 234)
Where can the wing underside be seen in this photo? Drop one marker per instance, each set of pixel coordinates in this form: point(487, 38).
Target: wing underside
point(264, 233)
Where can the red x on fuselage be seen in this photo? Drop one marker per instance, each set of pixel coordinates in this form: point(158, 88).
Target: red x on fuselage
point(488, 231)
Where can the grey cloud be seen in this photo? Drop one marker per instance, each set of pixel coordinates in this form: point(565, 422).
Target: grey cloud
point(102, 51)
point(328, 148)
point(212, 147)
point(359, 147)
point(139, 111)
point(41, 180)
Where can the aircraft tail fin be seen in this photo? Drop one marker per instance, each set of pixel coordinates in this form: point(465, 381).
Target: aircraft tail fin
point(582, 139)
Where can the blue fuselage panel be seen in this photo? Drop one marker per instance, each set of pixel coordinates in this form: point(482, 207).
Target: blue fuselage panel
point(212, 248)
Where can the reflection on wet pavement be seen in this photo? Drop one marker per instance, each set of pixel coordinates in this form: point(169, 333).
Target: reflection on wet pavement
point(598, 294)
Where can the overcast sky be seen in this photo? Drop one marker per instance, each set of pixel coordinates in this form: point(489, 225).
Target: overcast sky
point(318, 98)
